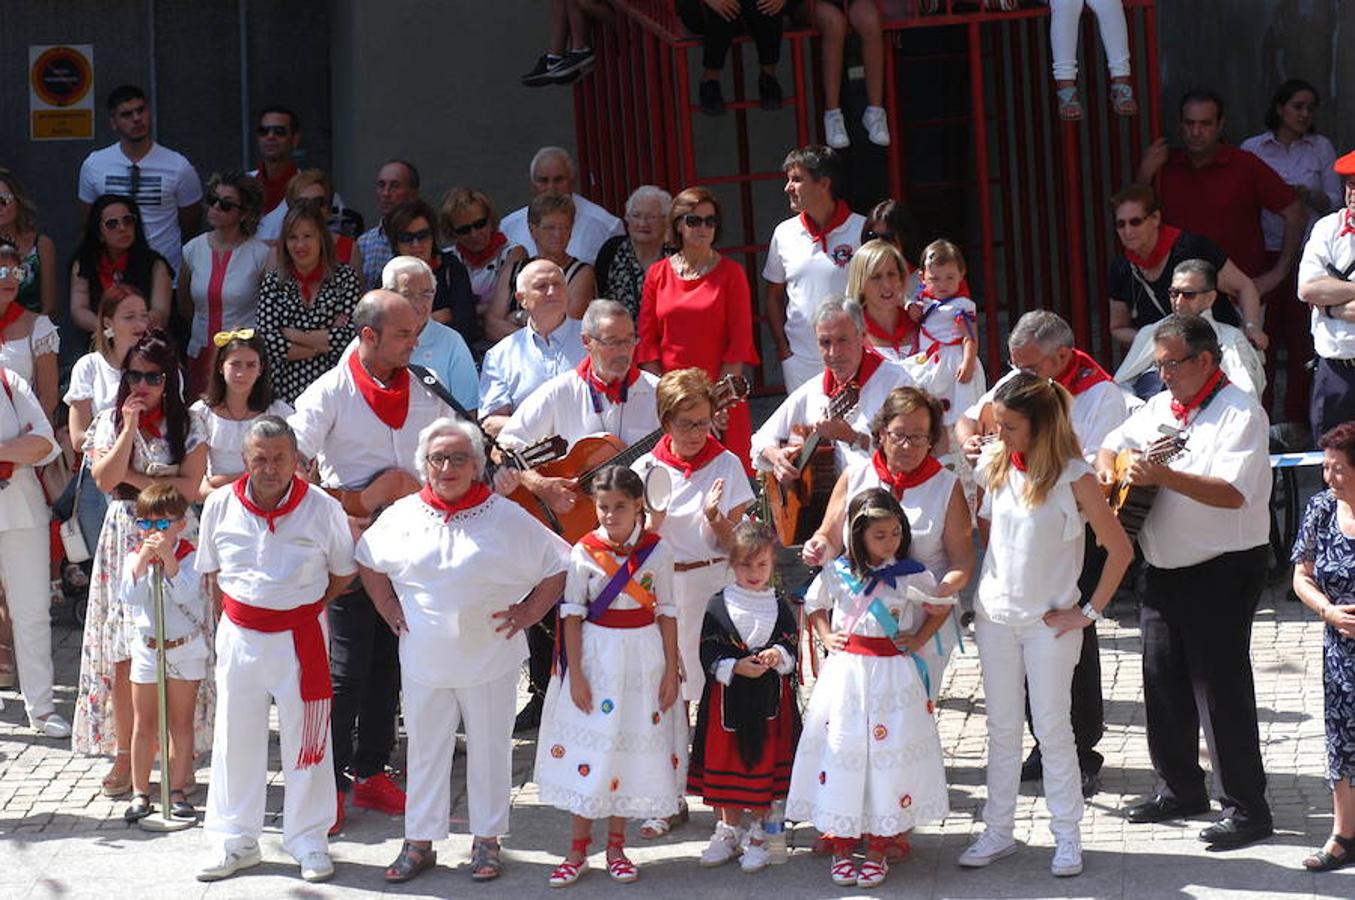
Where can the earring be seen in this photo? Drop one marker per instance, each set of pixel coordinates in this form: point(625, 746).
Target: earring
point(108, 333)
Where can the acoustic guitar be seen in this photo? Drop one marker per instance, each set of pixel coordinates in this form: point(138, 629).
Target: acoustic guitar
point(1130, 502)
point(795, 510)
point(590, 454)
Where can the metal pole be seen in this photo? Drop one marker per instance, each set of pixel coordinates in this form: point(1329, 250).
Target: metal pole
point(162, 821)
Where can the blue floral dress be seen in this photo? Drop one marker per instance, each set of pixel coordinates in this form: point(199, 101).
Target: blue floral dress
point(1332, 554)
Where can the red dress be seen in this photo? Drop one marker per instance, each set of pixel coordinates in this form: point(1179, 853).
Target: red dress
point(705, 323)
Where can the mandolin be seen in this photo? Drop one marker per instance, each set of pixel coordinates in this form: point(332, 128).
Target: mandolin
point(795, 510)
point(1131, 502)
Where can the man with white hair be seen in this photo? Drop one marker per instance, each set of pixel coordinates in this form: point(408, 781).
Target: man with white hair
point(549, 345)
point(552, 172)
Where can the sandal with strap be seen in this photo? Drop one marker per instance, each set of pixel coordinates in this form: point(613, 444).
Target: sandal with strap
point(411, 861)
point(485, 862)
point(658, 827)
point(843, 871)
point(1070, 108)
point(1122, 99)
point(566, 873)
point(114, 789)
point(871, 873)
point(179, 807)
point(1322, 861)
point(138, 809)
point(621, 869)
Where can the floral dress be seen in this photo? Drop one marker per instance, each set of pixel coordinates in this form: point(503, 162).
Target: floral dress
point(108, 623)
point(1332, 554)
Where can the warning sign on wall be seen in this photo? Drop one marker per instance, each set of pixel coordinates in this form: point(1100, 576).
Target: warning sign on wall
point(61, 92)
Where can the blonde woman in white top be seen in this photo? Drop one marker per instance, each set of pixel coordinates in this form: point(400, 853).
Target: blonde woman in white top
point(1038, 493)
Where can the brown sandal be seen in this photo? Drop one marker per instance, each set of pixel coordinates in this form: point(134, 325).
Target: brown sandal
point(411, 861)
point(485, 862)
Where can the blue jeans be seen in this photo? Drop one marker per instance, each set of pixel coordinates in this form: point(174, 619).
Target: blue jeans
point(90, 506)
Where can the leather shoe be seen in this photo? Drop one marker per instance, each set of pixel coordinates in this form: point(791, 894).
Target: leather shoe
point(1033, 768)
point(1230, 832)
point(1163, 809)
point(529, 718)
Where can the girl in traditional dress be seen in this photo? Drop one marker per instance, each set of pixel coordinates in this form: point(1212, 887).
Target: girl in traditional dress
point(606, 742)
point(947, 365)
point(749, 721)
point(869, 760)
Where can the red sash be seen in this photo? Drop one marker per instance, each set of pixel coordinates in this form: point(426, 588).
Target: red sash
point(871, 646)
point(10, 316)
point(841, 212)
point(275, 187)
point(1082, 373)
point(309, 283)
point(111, 271)
point(614, 391)
point(663, 452)
point(904, 480)
point(478, 260)
point(905, 331)
point(1347, 224)
point(389, 402)
point(1018, 461)
point(870, 361)
point(477, 493)
point(1166, 239)
point(271, 516)
point(148, 423)
point(1217, 382)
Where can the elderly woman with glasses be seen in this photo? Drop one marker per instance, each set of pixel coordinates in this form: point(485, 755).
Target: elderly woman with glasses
point(113, 250)
point(624, 259)
point(550, 220)
point(411, 228)
point(446, 579)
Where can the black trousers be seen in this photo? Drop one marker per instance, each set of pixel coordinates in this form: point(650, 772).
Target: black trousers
point(1333, 400)
point(719, 34)
point(364, 664)
point(1089, 709)
point(1196, 624)
point(541, 647)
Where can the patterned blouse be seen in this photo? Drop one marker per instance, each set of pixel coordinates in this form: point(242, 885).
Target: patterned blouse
point(620, 276)
point(280, 307)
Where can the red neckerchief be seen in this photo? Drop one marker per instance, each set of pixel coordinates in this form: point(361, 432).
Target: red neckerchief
point(309, 283)
point(663, 452)
point(148, 423)
point(182, 549)
point(476, 494)
point(275, 186)
point(905, 331)
point(11, 315)
point(1347, 224)
point(1166, 239)
point(903, 480)
point(343, 248)
point(1216, 383)
point(271, 516)
point(478, 260)
point(820, 235)
point(592, 541)
point(1018, 461)
point(614, 391)
point(1082, 373)
point(870, 361)
point(112, 271)
point(391, 402)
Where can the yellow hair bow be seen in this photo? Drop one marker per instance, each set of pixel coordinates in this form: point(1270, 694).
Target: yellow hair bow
point(222, 338)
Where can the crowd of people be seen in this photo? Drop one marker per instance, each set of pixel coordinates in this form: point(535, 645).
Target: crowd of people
point(315, 439)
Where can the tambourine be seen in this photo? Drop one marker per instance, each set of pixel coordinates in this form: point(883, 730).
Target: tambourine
point(658, 489)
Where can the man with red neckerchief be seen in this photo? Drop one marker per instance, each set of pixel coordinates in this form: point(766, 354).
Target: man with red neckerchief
point(275, 551)
point(807, 257)
point(1206, 544)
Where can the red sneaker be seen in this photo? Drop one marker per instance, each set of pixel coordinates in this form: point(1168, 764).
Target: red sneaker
point(338, 818)
point(379, 793)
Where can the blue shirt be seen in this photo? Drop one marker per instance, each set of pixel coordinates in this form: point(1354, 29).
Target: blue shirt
point(525, 360)
point(444, 352)
point(376, 252)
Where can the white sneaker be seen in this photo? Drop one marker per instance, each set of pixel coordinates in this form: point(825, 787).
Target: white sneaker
point(835, 130)
point(987, 849)
point(756, 854)
point(1067, 858)
point(877, 126)
point(723, 846)
point(227, 865)
point(316, 866)
point(52, 726)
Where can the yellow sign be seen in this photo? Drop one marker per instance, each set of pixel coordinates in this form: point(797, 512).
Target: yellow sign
point(61, 92)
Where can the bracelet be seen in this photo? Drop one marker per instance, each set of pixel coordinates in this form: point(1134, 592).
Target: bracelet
point(1247, 325)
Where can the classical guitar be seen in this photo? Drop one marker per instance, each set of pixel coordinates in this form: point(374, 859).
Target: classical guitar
point(1132, 502)
point(795, 510)
point(591, 454)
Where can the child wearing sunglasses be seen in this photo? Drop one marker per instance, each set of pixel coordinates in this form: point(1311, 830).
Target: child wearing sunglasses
point(164, 555)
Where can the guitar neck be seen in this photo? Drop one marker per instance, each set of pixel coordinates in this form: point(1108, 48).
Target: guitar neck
point(624, 458)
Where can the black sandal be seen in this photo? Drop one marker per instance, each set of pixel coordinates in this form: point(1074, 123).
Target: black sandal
point(411, 861)
point(486, 864)
point(1322, 861)
point(179, 807)
point(138, 809)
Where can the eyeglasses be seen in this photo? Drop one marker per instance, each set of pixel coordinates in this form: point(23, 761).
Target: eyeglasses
point(6, 199)
point(644, 217)
point(877, 236)
point(613, 343)
point(1171, 365)
point(909, 440)
point(113, 223)
point(692, 220)
point(442, 460)
point(692, 424)
point(274, 130)
point(155, 524)
point(414, 237)
point(463, 230)
point(222, 203)
point(18, 273)
point(428, 294)
point(136, 376)
point(1177, 293)
point(1135, 222)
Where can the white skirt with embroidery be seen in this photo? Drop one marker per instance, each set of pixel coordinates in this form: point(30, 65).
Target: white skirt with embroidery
point(623, 758)
point(936, 376)
point(869, 759)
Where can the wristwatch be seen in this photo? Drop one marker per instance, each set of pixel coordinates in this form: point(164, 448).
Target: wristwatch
point(1091, 612)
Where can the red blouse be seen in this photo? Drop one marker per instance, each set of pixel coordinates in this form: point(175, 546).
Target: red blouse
point(705, 323)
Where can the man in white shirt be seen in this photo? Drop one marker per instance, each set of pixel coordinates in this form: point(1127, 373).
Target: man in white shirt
point(807, 258)
point(1193, 291)
point(163, 183)
point(397, 181)
point(1325, 285)
point(1205, 540)
point(550, 344)
point(1042, 344)
point(552, 172)
point(275, 552)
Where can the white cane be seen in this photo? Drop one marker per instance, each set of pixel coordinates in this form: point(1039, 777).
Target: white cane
point(162, 821)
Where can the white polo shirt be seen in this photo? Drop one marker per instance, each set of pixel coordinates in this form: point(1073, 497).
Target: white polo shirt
point(166, 181)
point(1332, 338)
point(809, 273)
point(593, 225)
point(564, 406)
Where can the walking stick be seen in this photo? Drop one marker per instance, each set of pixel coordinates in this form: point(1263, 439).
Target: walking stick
point(162, 821)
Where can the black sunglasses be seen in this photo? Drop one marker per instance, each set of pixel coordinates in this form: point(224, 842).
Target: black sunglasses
point(413, 237)
point(1175, 293)
point(127, 220)
point(275, 130)
point(692, 220)
point(1135, 222)
point(463, 230)
point(136, 376)
point(222, 203)
point(877, 236)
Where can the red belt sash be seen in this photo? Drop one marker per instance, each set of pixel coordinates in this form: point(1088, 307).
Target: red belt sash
point(308, 639)
point(871, 646)
point(626, 618)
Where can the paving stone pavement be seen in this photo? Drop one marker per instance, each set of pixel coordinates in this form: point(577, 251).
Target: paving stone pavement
point(60, 839)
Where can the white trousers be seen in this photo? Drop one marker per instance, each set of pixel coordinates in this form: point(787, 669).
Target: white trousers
point(1013, 656)
point(692, 591)
point(431, 718)
point(23, 571)
point(796, 370)
point(1065, 17)
point(253, 667)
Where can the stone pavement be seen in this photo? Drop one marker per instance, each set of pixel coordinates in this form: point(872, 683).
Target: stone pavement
point(60, 839)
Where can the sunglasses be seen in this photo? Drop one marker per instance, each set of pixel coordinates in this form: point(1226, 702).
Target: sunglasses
point(1178, 293)
point(113, 223)
point(18, 273)
point(6, 199)
point(878, 236)
point(136, 376)
point(222, 203)
point(692, 220)
point(413, 237)
point(155, 524)
point(463, 230)
point(274, 130)
point(1130, 223)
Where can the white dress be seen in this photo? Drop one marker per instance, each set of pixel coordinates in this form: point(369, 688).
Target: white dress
point(226, 437)
point(621, 758)
point(869, 759)
point(18, 355)
point(944, 325)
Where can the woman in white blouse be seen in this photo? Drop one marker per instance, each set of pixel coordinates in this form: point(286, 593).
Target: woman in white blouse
point(240, 390)
point(28, 340)
point(1038, 493)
